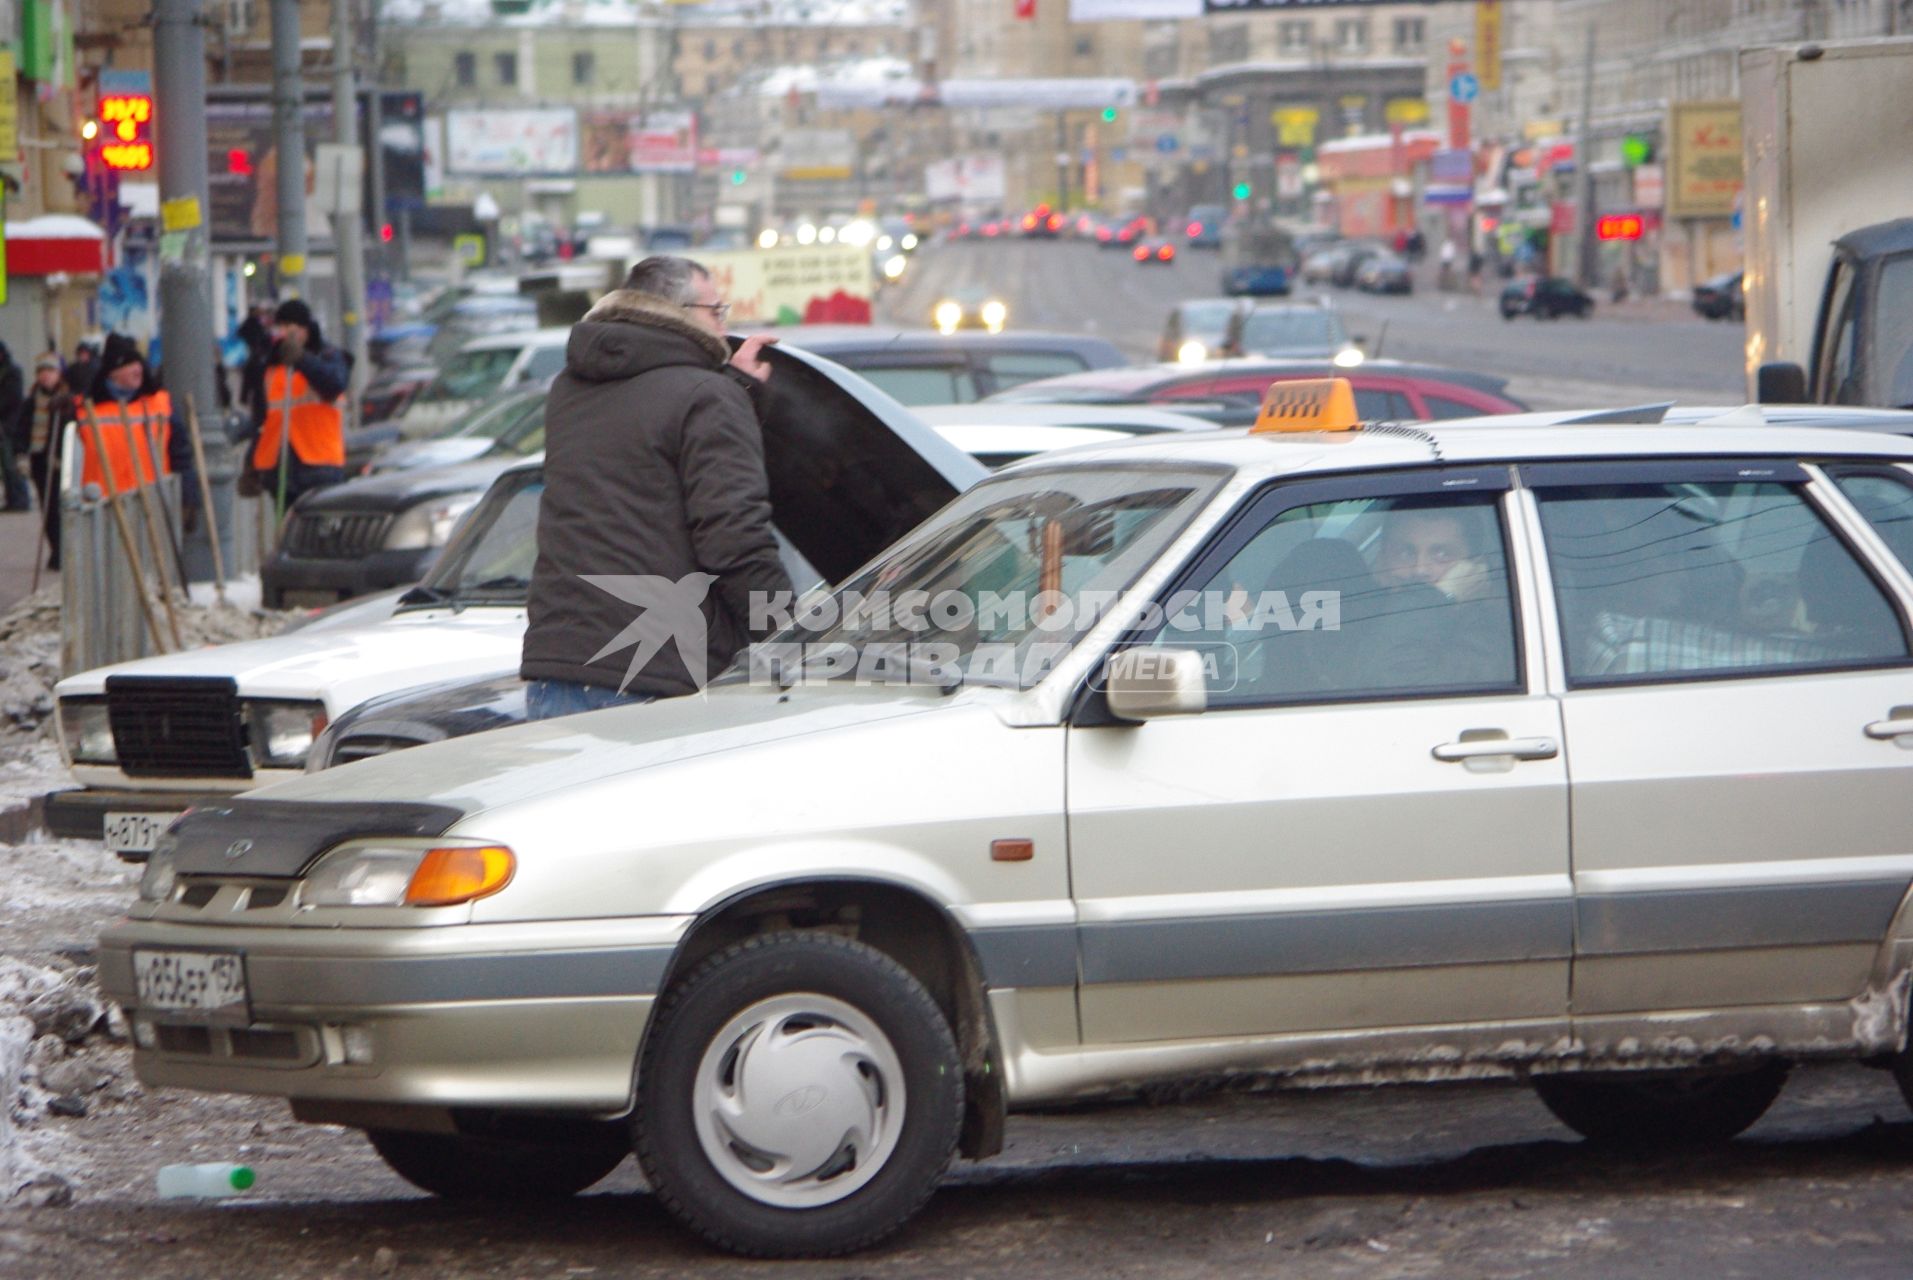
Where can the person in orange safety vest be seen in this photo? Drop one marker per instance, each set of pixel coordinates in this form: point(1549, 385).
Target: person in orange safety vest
point(127, 417)
point(300, 385)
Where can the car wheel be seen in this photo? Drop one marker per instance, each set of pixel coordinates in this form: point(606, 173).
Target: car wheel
point(458, 1166)
point(1583, 310)
point(1509, 313)
point(1683, 1109)
point(800, 1094)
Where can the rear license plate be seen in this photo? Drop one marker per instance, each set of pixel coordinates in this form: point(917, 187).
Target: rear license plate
point(208, 985)
point(135, 832)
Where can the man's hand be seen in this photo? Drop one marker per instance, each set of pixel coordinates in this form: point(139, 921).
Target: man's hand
point(20, 464)
point(746, 359)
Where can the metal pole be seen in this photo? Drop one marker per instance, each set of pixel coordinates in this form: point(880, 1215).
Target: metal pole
point(1584, 163)
point(289, 146)
point(348, 222)
point(185, 280)
point(374, 135)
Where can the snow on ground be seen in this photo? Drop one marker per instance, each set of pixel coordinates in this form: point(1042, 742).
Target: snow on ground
point(63, 1053)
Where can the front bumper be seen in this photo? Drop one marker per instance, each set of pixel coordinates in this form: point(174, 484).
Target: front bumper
point(542, 1016)
point(341, 579)
point(80, 813)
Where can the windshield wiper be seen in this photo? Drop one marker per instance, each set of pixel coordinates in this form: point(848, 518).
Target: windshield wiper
point(422, 594)
point(505, 582)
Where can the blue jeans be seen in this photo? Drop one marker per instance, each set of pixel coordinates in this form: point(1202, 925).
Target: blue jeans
point(548, 699)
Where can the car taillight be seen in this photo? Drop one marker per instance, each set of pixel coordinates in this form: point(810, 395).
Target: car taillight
point(1029, 222)
point(1142, 253)
point(1194, 229)
point(1103, 233)
point(1167, 252)
point(1055, 222)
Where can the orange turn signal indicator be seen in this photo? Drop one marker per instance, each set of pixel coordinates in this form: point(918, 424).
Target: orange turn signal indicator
point(446, 877)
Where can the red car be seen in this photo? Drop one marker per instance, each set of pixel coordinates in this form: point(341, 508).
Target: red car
point(1229, 392)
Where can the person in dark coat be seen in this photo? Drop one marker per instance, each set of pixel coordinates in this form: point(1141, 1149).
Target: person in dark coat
point(13, 472)
point(83, 368)
point(654, 532)
point(35, 431)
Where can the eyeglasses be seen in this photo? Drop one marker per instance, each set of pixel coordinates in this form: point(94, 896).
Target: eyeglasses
point(718, 309)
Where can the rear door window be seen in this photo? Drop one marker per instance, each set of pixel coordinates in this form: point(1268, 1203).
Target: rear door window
point(926, 384)
point(1706, 578)
point(1013, 368)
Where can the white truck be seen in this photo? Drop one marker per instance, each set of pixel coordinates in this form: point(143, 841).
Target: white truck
point(1828, 216)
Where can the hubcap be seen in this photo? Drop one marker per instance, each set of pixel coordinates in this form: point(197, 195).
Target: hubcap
point(799, 1100)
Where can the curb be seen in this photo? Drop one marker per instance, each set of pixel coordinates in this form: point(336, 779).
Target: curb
point(25, 823)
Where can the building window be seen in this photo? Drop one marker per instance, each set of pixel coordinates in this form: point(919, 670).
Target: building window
point(1351, 35)
point(1085, 46)
point(582, 67)
point(710, 51)
point(710, 86)
point(507, 64)
point(465, 69)
point(1229, 44)
point(1295, 37)
point(1410, 34)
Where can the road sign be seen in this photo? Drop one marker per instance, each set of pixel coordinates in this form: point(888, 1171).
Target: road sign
point(1464, 87)
point(1166, 143)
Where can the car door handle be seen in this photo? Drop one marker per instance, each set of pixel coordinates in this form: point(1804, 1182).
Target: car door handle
point(1518, 748)
point(1889, 728)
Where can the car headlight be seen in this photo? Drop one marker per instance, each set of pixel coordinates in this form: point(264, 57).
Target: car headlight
point(282, 732)
point(1349, 357)
point(162, 870)
point(86, 731)
point(893, 267)
point(948, 315)
point(909, 243)
point(995, 314)
point(1192, 352)
point(374, 874)
point(430, 523)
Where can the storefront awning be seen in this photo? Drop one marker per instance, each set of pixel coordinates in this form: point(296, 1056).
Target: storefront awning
point(53, 243)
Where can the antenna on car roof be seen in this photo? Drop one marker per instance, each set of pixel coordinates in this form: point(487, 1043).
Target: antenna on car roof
point(1639, 415)
point(1407, 431)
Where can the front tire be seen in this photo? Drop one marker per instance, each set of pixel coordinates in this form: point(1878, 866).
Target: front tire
point(456, 1166)
point(800, 1094)
point(1684, 1109)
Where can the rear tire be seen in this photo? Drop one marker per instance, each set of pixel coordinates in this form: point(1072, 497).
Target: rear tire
point(456, 1166)
point(1675, 1110)
point(800, 1094)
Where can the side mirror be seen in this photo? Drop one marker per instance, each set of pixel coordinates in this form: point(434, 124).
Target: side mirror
point(1142, 684)
point(1780, 382)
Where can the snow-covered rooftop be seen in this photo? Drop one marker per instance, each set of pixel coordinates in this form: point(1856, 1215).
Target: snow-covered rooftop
point(611, 13)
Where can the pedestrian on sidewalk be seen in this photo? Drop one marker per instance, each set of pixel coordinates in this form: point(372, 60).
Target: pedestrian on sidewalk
point(36, 429)
point(656, 518)
point(13, 480)
point(133, 419)
point(301, 440)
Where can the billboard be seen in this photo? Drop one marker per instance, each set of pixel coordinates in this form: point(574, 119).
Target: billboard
point(815, 284)
point(664, 142)
point(975, 179)
point(1704, 170)
point(816, 154)
point(1133, 10)
point(511, 143)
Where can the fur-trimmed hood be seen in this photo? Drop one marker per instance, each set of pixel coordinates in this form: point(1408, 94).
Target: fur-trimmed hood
point(629, 333)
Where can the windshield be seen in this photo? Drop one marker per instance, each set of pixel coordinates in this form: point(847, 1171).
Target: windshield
point(1894, 300)
point(997, 589)
point(1290, 330)
point(1207, 319)
point(527, 433)
point(491, 556)
point(501, 418)
point(472, 375)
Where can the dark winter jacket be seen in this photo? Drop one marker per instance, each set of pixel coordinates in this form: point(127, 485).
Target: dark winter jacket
point(62, 412)
point(13, 386)
point(654, 467)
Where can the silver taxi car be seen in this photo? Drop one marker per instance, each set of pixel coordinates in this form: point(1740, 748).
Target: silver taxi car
point(1581, 754)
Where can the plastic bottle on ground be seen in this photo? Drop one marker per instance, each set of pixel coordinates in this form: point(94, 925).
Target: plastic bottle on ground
point(204, 1181)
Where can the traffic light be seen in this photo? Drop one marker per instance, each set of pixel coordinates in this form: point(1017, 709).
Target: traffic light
point(385, 232)
point(737, 177)
point(1243, 191)
point(1109, 115)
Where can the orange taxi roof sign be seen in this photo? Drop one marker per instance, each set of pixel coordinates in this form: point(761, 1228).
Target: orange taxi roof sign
point(1309, 404)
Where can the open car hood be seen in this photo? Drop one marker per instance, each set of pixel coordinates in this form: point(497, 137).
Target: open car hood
point(851, 470)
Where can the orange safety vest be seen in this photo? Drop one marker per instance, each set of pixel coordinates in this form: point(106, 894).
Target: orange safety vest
point(134, 436)
point(318, 428)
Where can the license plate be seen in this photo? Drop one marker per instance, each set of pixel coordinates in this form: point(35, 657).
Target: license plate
point(204, 984)
point(135, 832)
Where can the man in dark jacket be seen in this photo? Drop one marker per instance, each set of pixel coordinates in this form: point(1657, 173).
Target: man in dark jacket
point(655, 528)
point(299, 443)
point(12, 472)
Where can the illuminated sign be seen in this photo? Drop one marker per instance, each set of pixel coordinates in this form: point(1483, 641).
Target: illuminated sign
point(1619, 226)
point(124, 120)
